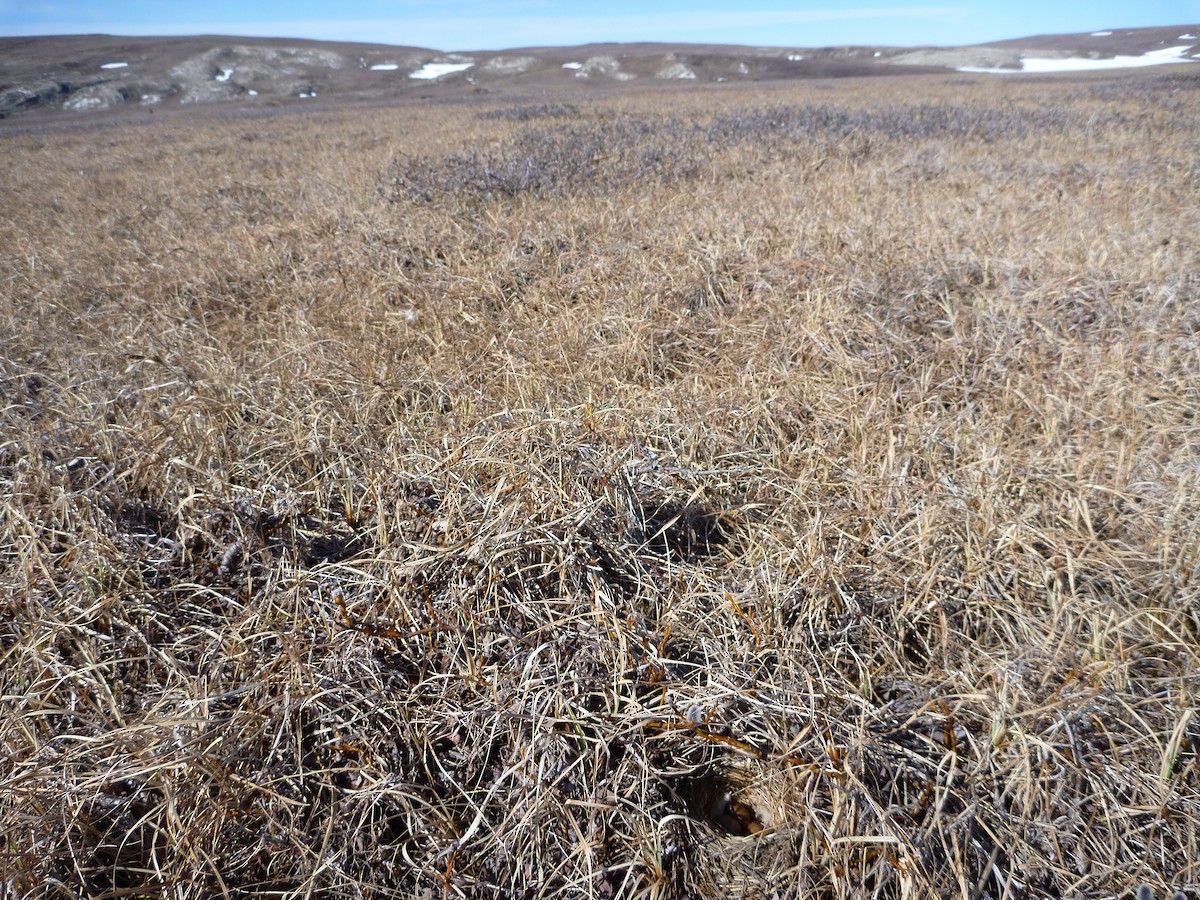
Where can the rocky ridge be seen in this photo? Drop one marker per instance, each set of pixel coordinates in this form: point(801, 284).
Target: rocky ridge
point(90, 73)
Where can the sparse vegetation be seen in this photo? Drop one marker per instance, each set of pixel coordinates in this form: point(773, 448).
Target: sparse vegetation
point(797, 495)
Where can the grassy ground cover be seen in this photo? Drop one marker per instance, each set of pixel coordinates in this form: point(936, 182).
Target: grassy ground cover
point(791, 493)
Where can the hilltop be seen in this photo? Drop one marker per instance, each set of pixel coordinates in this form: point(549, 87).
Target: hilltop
point(100, 73)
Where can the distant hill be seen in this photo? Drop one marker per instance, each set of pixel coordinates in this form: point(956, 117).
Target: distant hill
point(81, 74)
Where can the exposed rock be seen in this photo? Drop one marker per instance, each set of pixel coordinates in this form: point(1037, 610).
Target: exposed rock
point(675, 70)
point(228, 72)
point(956, 57)
point(508, 65)
point(605, 65)
point(41, 93)
point(95, 96)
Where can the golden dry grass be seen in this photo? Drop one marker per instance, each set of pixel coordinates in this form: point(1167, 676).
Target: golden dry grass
point(728, 494)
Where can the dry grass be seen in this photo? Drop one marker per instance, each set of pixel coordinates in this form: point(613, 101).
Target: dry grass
point(792, 495)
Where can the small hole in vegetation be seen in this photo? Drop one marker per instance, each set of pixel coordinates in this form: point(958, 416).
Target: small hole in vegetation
point(714, 798)
point(681, 531)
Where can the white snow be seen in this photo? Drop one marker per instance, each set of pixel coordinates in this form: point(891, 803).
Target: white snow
point(437, 70)
point(1101, 33)
point(252, 92)
point(225, 74)
point(573, 65)
point(306, 96)
point(1188, 37)
point(1080, 64)
point(384, 67)
point(795, 57)
point(879, 53)
point(114, 65)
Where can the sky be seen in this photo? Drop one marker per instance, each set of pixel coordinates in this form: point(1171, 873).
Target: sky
point(504, 24)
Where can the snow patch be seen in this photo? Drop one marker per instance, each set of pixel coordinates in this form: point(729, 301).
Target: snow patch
point(252, 92)
point(307, 94)
point(1101, 33)
point(879, 53)
point(795, 57)
point(1040, 64)
point(573, 65)
point(225, 74)
point(151, 99)
point(1188, 37)
point(114, 66)
point(384, 67)
point(432, 70)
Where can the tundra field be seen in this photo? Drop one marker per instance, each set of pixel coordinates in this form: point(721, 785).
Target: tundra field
point(789, 492)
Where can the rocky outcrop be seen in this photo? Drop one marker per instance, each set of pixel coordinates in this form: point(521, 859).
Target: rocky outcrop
point(604, 66)
point(675, 70)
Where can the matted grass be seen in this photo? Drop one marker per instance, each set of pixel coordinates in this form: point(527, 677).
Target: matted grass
point(790, 494)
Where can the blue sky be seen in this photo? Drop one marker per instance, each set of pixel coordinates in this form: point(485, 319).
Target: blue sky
point(479, 25)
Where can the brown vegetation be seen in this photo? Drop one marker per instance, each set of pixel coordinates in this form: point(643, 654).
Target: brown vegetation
point(727, 494)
